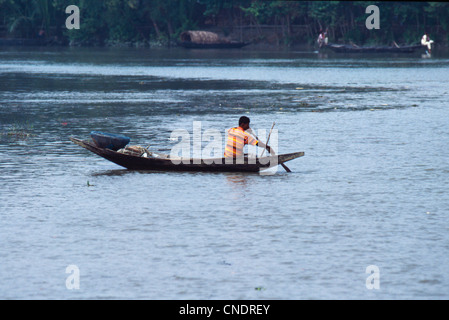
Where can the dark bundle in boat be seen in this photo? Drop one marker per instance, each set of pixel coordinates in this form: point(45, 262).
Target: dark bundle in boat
point(207, 40)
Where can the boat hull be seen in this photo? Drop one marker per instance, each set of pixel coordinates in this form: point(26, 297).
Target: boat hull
point(355, 49)
point(133, 162)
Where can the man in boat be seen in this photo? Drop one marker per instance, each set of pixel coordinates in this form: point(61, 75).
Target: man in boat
point(238, 138)
point(425, 41)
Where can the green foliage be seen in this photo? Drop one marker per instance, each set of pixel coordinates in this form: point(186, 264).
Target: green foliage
point(149, 20)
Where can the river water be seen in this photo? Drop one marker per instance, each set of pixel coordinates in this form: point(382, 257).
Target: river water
point(371, 192)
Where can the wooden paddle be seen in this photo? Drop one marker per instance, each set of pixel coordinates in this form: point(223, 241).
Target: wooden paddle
point(268, 139)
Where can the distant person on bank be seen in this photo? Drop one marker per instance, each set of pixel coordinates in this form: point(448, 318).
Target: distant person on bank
point(425, 41)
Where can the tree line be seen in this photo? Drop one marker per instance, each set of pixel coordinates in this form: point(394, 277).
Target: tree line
point(162, 21)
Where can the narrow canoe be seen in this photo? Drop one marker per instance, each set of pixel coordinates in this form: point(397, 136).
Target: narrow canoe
point(162, 162)
point(342, 48)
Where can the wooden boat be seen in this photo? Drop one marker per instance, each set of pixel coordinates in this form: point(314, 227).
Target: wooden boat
point(207, 40)
point(163, 162)
point(345, 48)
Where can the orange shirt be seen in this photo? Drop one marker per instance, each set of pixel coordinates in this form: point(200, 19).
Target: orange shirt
point(237, 138)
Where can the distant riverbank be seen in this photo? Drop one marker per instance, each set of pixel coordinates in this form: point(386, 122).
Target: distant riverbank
point(259, 45)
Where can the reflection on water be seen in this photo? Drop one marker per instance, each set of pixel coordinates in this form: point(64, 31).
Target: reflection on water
point(117, 172)
point(239, 181)
point(375, 134)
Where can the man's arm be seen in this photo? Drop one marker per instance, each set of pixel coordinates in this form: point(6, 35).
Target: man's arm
point(269, 149)
point(261, 144)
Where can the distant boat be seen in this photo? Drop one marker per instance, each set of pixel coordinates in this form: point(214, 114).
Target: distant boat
point(352, 48)
point(207, 40)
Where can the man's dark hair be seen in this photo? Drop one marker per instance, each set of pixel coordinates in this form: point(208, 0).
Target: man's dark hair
point(243, 120)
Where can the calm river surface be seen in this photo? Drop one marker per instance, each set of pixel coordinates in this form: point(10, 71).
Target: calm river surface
point(371, 190)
